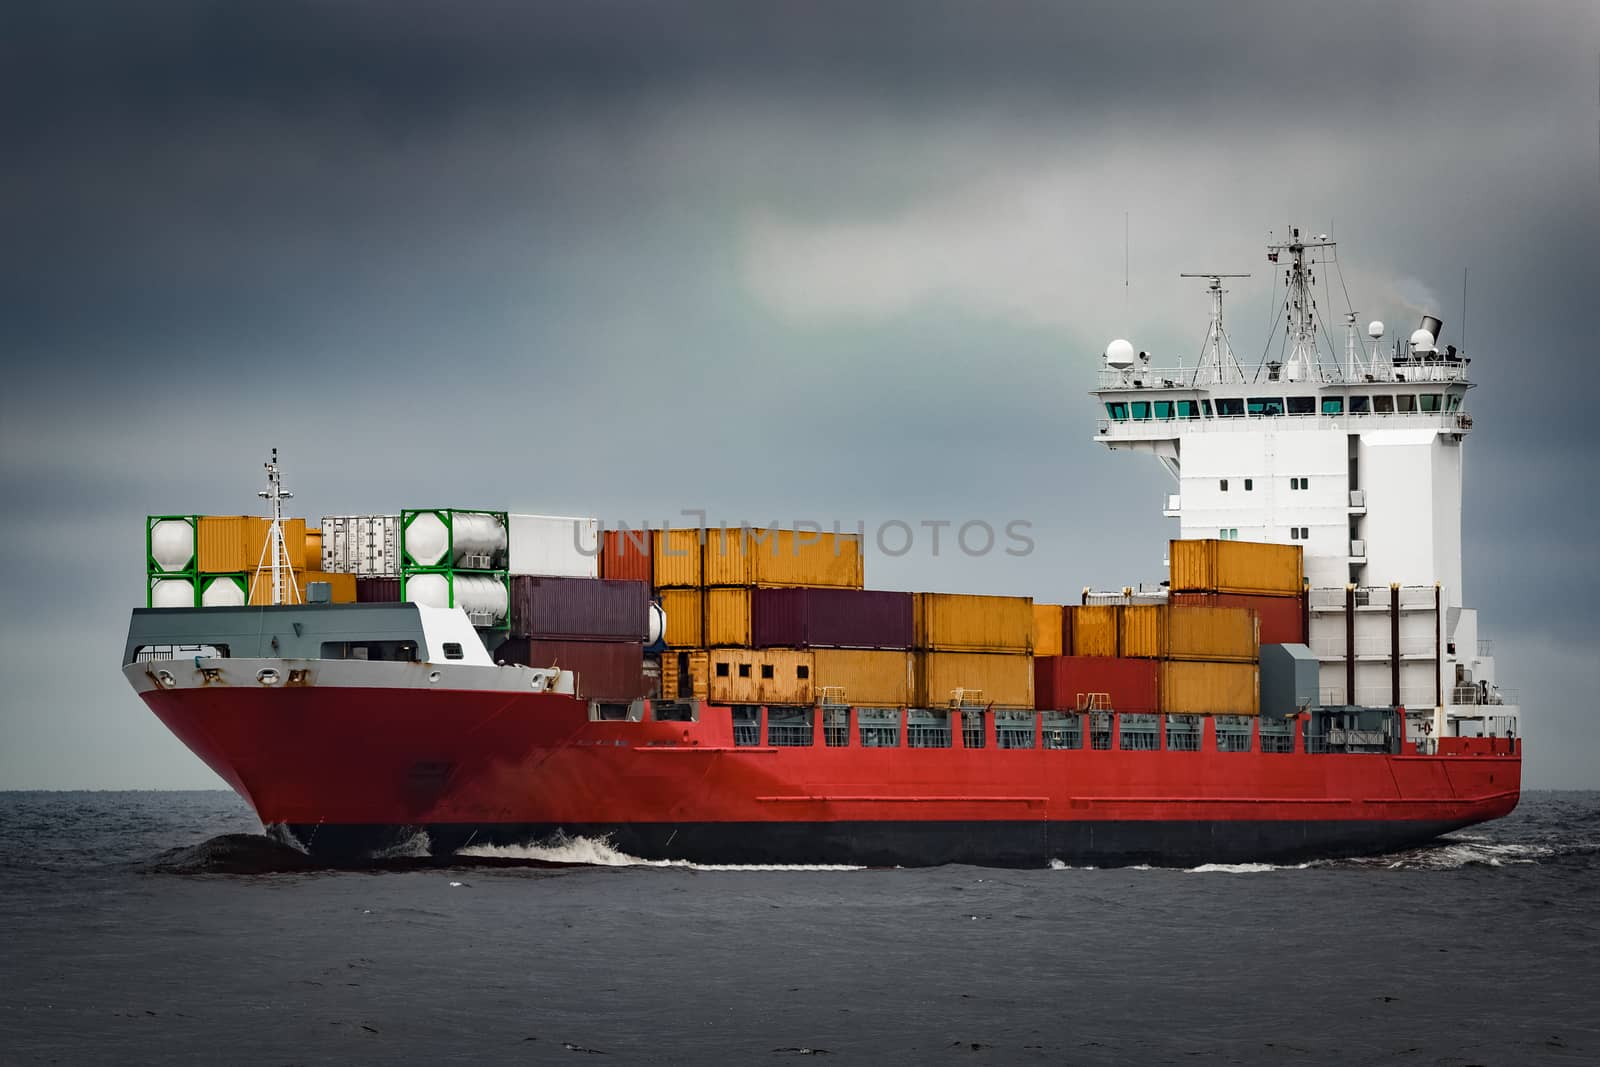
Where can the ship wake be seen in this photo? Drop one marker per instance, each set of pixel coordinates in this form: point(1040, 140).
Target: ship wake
point(577, 851)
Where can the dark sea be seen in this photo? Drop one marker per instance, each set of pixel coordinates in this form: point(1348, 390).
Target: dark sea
point(133, 930)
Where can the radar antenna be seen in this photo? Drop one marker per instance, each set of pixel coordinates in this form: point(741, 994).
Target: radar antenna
point(1302, 360)
point(1218, 365)
point(276, 548)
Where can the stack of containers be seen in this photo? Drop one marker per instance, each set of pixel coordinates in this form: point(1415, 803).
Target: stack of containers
point(171, 561)
point(975, 645)
point(366, 547)
point(860, 640)
point(452, 557)
point(1267, 579)
point(231, 552)
point(625, 553)
point(594, 627)
point(676, 575)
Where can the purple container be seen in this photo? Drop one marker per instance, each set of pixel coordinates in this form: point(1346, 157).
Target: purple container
point(377, 590)
point(830, 618)
point(606, 670)
point(585, 609)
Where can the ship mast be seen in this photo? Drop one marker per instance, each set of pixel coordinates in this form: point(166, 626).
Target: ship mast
point(1217, 354)
point(275, 547)
point(1301, 363)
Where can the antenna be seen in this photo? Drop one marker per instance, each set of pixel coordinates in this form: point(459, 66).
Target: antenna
point(1218, 350)
point(1125, 305)
point(275, 546)
point(1463, 310)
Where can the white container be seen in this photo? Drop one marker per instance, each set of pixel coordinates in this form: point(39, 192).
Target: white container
point(477, 595)
point(468, 539)
point(172, 593)
point(222, 591)
point(555, 545)
point(367, 546)
point(172, 544)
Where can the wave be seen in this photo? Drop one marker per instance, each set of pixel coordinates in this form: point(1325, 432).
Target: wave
point(580, 851)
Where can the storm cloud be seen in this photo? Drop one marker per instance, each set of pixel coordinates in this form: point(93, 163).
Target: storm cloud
point(804, 261)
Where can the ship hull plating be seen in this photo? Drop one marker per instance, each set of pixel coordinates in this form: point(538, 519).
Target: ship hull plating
point(350, 769)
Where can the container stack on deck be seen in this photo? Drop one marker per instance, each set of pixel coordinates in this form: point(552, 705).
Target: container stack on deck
point(212, 561)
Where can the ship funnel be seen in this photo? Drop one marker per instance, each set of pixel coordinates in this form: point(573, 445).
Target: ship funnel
point(1432, 325)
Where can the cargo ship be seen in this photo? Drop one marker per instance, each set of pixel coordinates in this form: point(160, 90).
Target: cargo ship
point(1306, 681)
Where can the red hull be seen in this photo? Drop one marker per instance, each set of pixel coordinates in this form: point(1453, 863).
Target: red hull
point(494, 764)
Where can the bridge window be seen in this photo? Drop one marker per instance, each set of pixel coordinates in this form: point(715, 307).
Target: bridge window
point(1428, 402)
point(1223, 482)
point(1333, 405)
point(1229, 406)
point(1117, 409)
point(1264, 405)
point(1188, 409)
point(1249, 485)
point(1205, 406)
point(1453, 402)
point(1383, 405)
point(1360, 405)
point(1302, 405)
point(1163, 409)
point(1141, 410)
point(1406, 403)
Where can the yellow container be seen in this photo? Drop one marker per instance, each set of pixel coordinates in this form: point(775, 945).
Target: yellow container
point(1198, 687)
point(727, 617)
point(960, 622)
point(1213, 566)
point(1004, 680)
point(685, 622)
point(1183, 631)
point(864, 678)
point(260, 586)
point(1047, 630)
point(344, 585)
point(230, 543)
point(760, 676)
point(675, 558)
point(668, 689)
point(699, 675)
point(1094, 629)
point(783, 558)
point(313, 549)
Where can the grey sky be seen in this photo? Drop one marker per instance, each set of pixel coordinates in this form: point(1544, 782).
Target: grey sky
point(808, 261)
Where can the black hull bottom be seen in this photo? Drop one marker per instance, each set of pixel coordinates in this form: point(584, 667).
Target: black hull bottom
point(1030, 844)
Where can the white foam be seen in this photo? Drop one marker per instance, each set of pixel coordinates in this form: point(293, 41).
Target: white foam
point(416, 847)
point(599, 852)
point(1244, 868)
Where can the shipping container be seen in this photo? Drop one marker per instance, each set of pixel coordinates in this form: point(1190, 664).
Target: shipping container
point(696, 666)
point(1047, 629)
point(605, 670)
point(961, 622)
point(377, 590)
point(684, 609)
point(484, 596)
point(625, 554)
point(289, 591)
point(229, 544)
point(313, 549)
point(589, 609)
point(778, 558)
point(1094, 629)
point(1187, 631)
point(171, 592)
point(342, 586)
point(1282, 618)
point(870, 677)
point(831, 618)
point(458, 539)
point(224, 590)
point(554, 545)
point(170, 544)
point(760, 676)
point(675, 558)
point(727, 617)
point(1194, 687)
point(1068, 683)
point(1004, 680)
point(1212, 566)
point(367, 546)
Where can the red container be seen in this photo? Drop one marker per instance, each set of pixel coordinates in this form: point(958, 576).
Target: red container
point(587, 609)
point(625, 554)
point(377, 590)
point(1283, 619)
point(830, 618)
point(606, 670)
point(1131, 684)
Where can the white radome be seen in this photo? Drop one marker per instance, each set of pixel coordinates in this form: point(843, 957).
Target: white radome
point(1421, 341)
point(1375, 329)
point(1119, 354)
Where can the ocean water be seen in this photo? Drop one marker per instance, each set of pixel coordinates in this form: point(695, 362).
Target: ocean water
point(144, 928)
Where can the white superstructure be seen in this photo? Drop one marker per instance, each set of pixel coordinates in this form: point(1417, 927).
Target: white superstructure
point(1354, 454)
